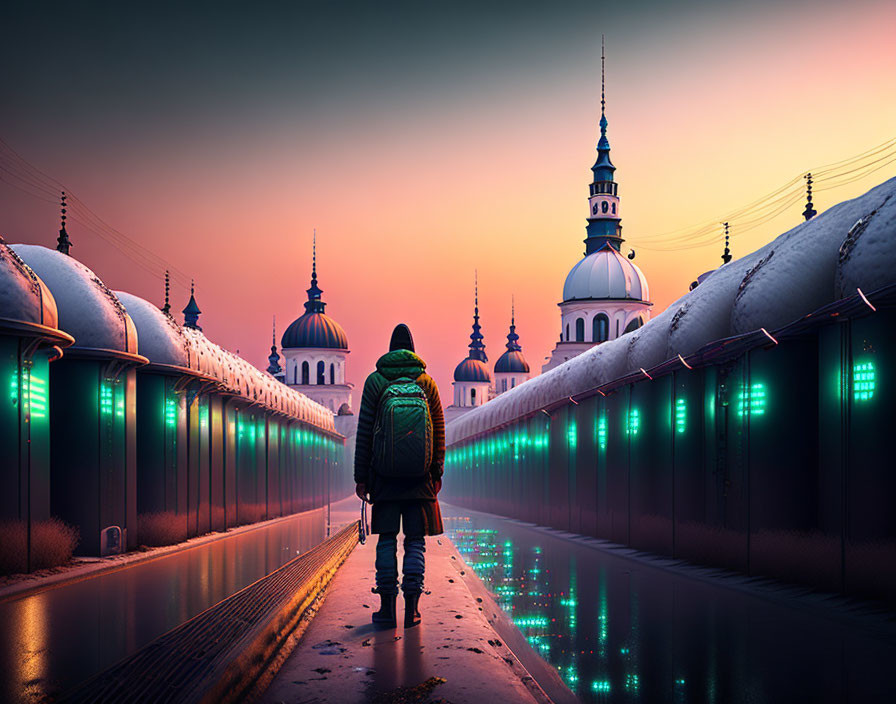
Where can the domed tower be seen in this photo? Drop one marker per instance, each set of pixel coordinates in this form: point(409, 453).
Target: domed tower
point(314, 349)
point(472, 379)
point(605, 294)
point(511, 369)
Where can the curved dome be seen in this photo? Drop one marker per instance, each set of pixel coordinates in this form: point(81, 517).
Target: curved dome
point(88, 310)
point(472, 370)
point(23, 296)
point(161, 339)
point(315, 330)
point(605, 274)
point(512, 362)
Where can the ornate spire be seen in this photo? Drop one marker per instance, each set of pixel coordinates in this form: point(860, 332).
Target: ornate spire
point(63, 244)
point(603, 202)
point(809, 212)
point(513, 344)
point(274, 367)
point(192, 312)
point(314, 304)
point(477, 349)
point(166, 309)
point(726, 255)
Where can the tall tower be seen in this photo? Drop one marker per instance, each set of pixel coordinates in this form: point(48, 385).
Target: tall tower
point(472, 379)
point(314, 347)
point(605, 294)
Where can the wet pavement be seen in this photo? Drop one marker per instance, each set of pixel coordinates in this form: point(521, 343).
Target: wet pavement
point(620, 629)
point(54, 639)
point(453, 656)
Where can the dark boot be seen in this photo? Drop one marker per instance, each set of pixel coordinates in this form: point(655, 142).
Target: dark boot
point(385, 617)
point(411, 610)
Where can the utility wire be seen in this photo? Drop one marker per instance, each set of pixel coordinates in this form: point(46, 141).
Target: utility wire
point(760, 211)
point(27, 178)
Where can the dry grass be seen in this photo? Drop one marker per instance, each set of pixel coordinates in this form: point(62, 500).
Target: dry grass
point(52, 544)
point(163, 528)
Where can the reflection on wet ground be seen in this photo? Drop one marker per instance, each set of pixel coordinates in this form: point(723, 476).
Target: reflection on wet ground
point(52, 640)
point(623, 630)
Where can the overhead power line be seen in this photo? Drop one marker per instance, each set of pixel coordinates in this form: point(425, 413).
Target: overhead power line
point(770, 206)
point(27, 178)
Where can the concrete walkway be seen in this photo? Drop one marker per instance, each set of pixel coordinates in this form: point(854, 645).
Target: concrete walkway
point(454, 656)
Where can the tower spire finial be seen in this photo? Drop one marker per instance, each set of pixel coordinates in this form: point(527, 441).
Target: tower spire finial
point(314, 257)
point(63, 244)
point(512, 338)
point(603, 76)
point(810, 211)
point(166, 309)
point(726, 255)
point(476, 291)
point(314, 304)
point(274, 331)
point(274, 368)
point(477, 349)
point(191, 312)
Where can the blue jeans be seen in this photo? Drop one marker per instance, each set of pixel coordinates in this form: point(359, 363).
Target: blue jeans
point(387, 564)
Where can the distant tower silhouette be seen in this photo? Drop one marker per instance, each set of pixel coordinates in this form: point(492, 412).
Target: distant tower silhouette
point(274, 368)
point(166, 309)
point(63, 243)
point(726, 255)
point(809, 212)
point(192, 312)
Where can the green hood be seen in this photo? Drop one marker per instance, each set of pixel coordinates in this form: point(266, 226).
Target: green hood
point(399, 363)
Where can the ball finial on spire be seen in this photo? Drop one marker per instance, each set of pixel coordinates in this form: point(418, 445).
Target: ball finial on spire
point(314, 304)
point(810, 211)
point(603, 75)
point(63, 244)
point(166, 309)
point(726, 255)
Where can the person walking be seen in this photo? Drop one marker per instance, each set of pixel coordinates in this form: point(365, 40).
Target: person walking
point(399, 458)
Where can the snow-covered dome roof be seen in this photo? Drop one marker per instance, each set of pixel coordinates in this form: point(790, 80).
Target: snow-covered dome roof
point(315, 330)
point(472, 370)
point(605, 274)
point(161, 339)
point(23, 296)
point(829, 257)
point(88, 310)
point(243, 379)
point(512, 362)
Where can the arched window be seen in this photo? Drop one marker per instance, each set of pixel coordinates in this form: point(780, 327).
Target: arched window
point(512, 382)
point(580, 329)
point(567, 332)
point(634, 325)
point(321, 371)
point(306, 371)
point(617, 327)
point(295, 374)
point(503, 384)
point(600, 328)
point(472, 397)
point(332, 373)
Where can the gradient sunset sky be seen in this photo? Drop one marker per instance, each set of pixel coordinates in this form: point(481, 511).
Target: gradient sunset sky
point(424, 140)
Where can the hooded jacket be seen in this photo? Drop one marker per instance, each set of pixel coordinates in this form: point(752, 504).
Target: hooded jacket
point(391, 366)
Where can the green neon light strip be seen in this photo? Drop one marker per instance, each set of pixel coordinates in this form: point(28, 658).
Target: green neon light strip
point(681, 415)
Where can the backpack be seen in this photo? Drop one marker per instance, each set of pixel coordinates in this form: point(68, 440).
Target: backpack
point(402, 434)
